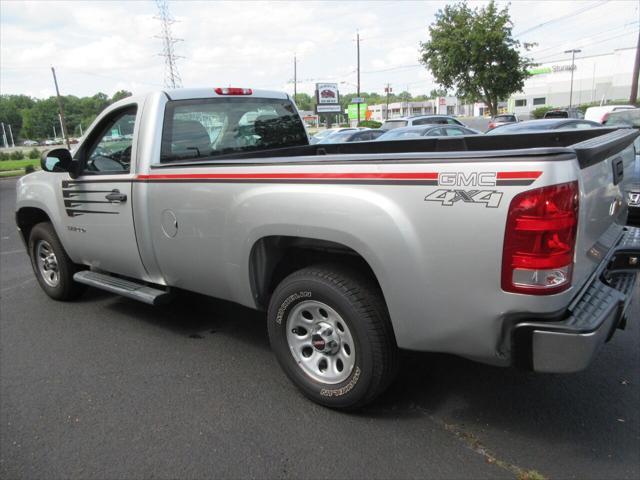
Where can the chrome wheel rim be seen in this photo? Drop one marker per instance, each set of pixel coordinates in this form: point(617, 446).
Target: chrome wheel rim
point(47, 263)
point(321, 342)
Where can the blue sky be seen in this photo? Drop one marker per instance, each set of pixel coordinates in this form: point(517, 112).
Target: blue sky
point(107, 46)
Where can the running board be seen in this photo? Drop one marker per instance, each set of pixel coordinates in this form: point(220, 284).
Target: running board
point(126, 288)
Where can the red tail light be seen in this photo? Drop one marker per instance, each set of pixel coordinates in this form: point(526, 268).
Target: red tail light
point(492, 125)
point(604, 118)
point(539, 240)
point(233, 91)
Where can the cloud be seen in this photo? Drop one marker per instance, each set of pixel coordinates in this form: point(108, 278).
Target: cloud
point(111, 45)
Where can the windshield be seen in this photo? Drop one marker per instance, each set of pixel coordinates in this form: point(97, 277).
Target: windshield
point(622, 117)
point(325, 133)
point(557, 114)
point(530, 126)
point(402, 134)
point(338, 137)
point(390, 124)
point(504, 118)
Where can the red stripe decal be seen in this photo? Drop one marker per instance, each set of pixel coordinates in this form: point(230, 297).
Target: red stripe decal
point(518, 175)
point(290, 176)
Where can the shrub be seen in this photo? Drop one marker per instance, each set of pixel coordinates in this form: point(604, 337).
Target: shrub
point(540, 111)
point(29, 169)
point(4, 156)
point(16, 155)
point(34, 153)
point(370, 124)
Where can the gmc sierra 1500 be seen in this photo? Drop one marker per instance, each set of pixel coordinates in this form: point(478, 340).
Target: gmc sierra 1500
point(506, 249)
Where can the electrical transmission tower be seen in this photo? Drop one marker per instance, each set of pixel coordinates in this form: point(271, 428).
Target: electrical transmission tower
point(171, 75)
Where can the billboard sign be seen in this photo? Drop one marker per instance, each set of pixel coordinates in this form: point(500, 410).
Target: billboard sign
point(327, 94)
point(353, 111)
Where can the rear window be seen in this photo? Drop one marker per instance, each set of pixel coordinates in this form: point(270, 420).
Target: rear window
point(391, 124)
point(556, 114)
point(205, 128)
point(504, 118)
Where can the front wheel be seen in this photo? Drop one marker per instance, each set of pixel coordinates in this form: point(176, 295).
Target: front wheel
point(51, 264)
point(330, 331)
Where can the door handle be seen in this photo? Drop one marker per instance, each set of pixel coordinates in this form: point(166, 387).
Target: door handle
point(116, 197)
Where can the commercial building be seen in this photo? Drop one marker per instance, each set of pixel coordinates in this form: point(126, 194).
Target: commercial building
point(596, 78)
point(442, 105)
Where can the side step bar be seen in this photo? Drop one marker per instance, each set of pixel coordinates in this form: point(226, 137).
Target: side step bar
point(126, 288)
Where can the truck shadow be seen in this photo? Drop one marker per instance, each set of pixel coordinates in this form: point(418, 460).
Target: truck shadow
point(578, 408)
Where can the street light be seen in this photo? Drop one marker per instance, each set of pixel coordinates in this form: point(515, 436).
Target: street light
point(573, 58)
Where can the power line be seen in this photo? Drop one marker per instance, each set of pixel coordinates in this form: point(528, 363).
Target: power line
point(562, 17)
point(171, 75)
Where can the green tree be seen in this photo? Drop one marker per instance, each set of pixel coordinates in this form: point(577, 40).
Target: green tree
point(119, 95)
point(473, 51)
point(11, 108)
point(304, 101)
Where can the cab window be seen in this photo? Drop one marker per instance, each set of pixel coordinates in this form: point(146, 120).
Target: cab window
point(206, 128)
point(111, 150)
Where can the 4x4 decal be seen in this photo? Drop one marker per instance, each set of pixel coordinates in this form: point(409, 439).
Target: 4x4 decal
point(490, 198)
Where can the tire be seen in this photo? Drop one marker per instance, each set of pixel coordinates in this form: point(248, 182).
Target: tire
point(346, 323)
point(54, 273)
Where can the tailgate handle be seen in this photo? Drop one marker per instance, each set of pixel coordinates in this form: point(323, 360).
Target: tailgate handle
point(618, 170)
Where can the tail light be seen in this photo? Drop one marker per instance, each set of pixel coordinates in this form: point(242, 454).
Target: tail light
point(233, 91)
point(539, 240)
point(492, 125)
point(604, 118)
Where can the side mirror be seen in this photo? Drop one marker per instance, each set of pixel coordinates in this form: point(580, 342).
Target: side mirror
point(58, 160)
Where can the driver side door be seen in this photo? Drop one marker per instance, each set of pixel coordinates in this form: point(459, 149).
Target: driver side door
point(96, 206)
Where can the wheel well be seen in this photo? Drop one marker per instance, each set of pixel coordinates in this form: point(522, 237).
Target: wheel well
point(273, 258)
point(27, 218)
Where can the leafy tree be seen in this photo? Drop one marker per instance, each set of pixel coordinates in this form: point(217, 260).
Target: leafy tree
point(11, 107)
point(404, 96)
point(473, 51)
point(119, 95)
point(304, 101)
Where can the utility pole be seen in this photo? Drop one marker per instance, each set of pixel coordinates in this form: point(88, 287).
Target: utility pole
point(633, 98)
point(171, 75)
point(63, 125)
point(573, 59)
point(13, 145)
point(81, 129)
point(388, 91)
point(4, 137)
point(55, 135)
point(295, 78)
point(358, 87)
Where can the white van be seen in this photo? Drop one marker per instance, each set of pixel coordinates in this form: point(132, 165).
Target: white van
point(600, 114)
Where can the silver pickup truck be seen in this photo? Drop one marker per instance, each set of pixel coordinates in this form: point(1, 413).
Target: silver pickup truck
point(506, 249)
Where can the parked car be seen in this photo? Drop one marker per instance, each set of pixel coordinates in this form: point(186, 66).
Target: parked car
point(406, 133)
point(329, 131)
point(349, 136)
point(600, 114)
point(542, 125)
point(630, 118)
point(420, 120)
point(501, 250)
point(564, 113)
point(327, 94)
point(29, 143)
point(502, 120)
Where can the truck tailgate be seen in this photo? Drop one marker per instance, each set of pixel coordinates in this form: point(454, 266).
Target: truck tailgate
point(605, 163)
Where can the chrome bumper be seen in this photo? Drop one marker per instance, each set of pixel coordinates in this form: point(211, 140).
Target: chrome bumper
point(570, 344)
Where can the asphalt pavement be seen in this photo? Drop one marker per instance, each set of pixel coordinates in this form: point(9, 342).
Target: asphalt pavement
point(106, 387)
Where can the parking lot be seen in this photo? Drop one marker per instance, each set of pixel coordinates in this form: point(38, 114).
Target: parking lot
point(106, 387)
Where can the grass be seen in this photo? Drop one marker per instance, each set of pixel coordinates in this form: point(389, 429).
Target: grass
point(10, 165)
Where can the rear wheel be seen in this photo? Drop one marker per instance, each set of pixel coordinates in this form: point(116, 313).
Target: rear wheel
point(330, 331)
point(51, 264)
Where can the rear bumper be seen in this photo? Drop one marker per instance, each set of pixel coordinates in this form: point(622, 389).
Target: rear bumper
point(570, 344)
